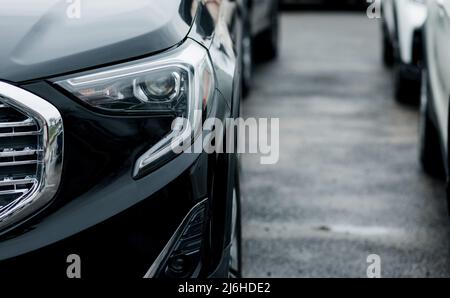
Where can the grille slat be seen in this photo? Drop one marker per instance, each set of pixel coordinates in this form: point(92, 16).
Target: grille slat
point(15, 182)
point(19, 134)
point(19, 154)
point(18, 163)
point(26, 123)
point(10, 152)
point(13, 192)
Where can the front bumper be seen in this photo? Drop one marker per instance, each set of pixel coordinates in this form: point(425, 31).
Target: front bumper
point(123, 245)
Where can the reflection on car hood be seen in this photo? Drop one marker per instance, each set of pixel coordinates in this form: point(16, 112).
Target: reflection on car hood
point(42, 38)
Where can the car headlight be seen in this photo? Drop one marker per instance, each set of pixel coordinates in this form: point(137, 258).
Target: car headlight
point(177, 83)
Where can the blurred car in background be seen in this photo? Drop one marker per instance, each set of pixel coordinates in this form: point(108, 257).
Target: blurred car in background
point(354, 3)
point(434, 119)
point(260, 37)
point(402, 44)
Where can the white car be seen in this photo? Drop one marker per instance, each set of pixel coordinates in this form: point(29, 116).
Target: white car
point(435, 113)
point(403, 21)
point(357, 3)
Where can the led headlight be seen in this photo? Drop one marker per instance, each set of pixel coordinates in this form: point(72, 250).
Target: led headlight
point(177, 83)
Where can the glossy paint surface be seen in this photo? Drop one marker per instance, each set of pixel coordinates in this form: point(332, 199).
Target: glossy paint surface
point(50, 37)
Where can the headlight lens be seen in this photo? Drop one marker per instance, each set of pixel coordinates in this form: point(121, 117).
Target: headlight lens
point(159, 87)
point(178, 83)
point(171, 84)
point(164, 91)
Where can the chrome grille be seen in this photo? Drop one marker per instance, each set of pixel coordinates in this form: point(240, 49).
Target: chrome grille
point(20, 154)
point(31, 154)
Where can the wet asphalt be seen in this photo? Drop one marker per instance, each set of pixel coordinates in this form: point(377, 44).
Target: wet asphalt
point(348, 183)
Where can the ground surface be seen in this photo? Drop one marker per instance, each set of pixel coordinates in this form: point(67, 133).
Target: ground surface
point(348, 183)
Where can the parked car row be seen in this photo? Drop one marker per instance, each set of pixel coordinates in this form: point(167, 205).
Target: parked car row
point(87, 98)
point(417, 42)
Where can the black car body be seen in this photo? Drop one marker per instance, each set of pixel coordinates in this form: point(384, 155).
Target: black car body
point(101, 194)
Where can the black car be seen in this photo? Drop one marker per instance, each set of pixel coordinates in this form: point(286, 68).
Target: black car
point(88, 99)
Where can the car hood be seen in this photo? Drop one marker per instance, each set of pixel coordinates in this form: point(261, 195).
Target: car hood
point(44, 38)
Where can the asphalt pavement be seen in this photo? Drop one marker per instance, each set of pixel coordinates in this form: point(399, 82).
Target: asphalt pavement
point(348, 183)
